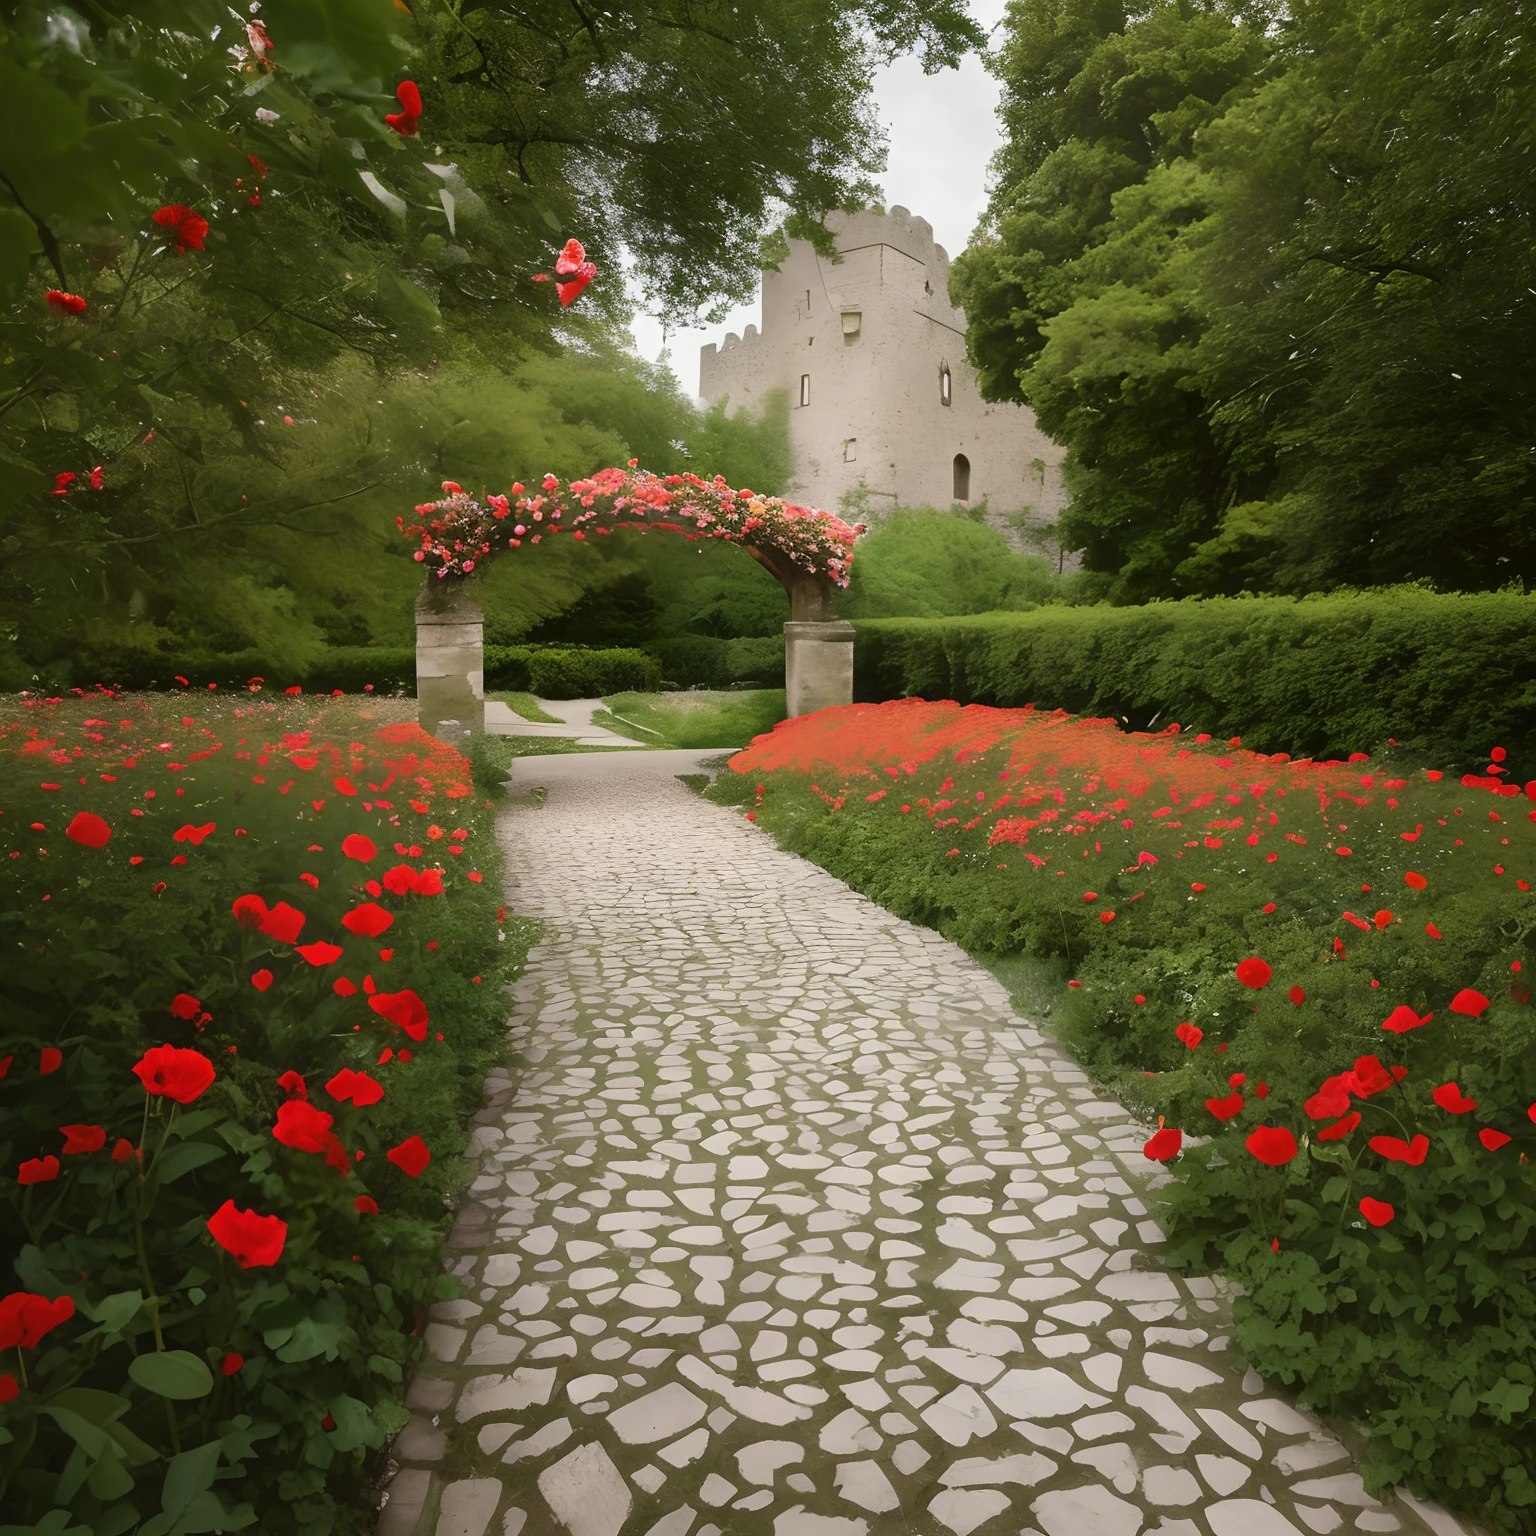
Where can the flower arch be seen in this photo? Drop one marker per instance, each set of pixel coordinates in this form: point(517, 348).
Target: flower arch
point(809, 551)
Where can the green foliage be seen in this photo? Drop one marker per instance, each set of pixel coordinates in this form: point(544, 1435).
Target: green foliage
point(547, 672)
point(524, 704)
point(1258, 270)
point(695, 719)
point(130, 1416)
point(1324, 675)
point(928, 564)
point(1423, 1329)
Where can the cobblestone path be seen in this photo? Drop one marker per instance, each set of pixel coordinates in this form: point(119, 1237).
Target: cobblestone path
point(794, 1227)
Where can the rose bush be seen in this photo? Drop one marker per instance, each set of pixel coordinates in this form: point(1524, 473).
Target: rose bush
point(252, 990)
point(459, 532)
point(1315, 974)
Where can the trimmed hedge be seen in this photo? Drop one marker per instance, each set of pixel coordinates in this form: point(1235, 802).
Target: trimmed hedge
point(706, 662)
point(1324, 676)
point(554, 673)
point(388, 668)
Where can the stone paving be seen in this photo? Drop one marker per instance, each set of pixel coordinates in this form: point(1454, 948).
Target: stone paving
point(793, 1227)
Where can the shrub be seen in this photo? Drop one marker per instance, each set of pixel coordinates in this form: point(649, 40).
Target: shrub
point(1161, 872)
point(701, 661)
point(284, 917)
point(1322, 675)
point(590, 674)
point(351, 668)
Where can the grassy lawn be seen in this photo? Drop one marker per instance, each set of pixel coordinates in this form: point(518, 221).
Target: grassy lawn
point(524, 704)
point(698, 718)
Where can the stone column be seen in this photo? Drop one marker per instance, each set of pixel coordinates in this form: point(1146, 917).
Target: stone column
point(450, 663)
point(818, 665)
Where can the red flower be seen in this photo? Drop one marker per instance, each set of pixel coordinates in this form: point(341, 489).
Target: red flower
point(262, 979)
point(1297, 996)
point(411, 1156)
point(38, 1170)
point(250, 911)
point(193, 835)
point(1417, 881)
point(1254, 973)
point(405, 120)
point(88, 829)
point(321, 953)
point(293, 1085)
point(178, 1074)
point(82, 1138)
point(1448, 1097)
point(1224, 1109)
point(1493, 1139)
point(361, 1089)
point(1165, 1145)
point(70, 303)
point(1403, 1018)
point(257, 1241)
point(27, 1318)
point(403, 1009)
point(1396, 1150)
point(188, 226)
point(303, 1127)
point(1432, 931)
point(1370, 1077)
point(1106, 917)
point(1272, 1144)
point(1341, 1128)
point(231, 1363)
point(283, 923)
point(1471, 1003)
point(185, 1006)
point(368, 921)
point(1190, 1034)
point(356, 846)
point(366, 1205)
point(1330, 1100)
point(49, 1059)
point(1377, 1212)
point(122, 1150)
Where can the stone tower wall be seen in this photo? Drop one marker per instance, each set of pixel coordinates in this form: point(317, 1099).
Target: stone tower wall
point(871, 336)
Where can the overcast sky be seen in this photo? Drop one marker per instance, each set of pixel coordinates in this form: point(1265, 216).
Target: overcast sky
point(941, 129)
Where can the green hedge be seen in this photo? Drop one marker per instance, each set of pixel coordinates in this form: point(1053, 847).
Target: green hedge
point(1323, 676)
point(550, 672)
point(706, 662)
point(351, 668)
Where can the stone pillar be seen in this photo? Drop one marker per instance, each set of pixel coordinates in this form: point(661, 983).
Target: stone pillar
point(450, 663)
point(818, 665)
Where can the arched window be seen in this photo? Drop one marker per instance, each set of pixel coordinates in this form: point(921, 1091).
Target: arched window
point(944, 384)
point(962, 478)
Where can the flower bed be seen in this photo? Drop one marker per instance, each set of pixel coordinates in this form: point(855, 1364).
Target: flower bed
point(1315, 974)
point(253, 988)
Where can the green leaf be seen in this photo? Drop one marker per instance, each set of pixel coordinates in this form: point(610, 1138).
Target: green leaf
point(382, 1365)
point(95, 1407)
point(174, 1373)
point(311, 1338)
point(183, 1158)
point(114, 1313)
point(354, 1425)
point(110, 1480)
point(55, 1523)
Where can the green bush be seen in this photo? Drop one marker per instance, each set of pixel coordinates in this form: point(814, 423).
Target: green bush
point(702, 661)
point(1319, 675)
point(1151, 871)
point(257, 1393)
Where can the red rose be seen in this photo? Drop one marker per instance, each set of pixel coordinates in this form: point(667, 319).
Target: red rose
point(411, 1156)
point(83, 1138)
point(257, 1241)
point(178, 1074)
point(1272, 1144)
point(89, 829)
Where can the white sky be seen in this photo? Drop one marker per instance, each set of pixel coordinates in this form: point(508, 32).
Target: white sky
point(941, 129)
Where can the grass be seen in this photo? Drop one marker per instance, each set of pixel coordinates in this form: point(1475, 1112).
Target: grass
point(698, 718)
point(524, 704)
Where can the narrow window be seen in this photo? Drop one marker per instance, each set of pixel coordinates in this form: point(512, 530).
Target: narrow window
point(850, 450)
point(807, 301)
point(805, 389)
point(944, 384)
point(962, 478)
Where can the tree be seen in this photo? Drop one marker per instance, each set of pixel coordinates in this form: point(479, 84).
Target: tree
point(1282, 320)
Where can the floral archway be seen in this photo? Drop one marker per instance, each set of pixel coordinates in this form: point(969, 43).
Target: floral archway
point(809, 551)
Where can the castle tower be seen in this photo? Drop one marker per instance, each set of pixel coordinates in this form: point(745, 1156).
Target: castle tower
point(872, 355)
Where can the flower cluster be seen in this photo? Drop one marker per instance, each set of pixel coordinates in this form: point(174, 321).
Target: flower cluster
point(458, 532)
